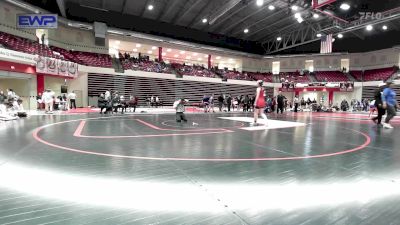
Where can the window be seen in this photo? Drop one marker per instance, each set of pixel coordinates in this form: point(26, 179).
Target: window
point(276, 66)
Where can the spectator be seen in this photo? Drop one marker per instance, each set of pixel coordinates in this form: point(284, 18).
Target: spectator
point(220, 102)
point(379, 104)
point(72, 100)
point(281, 102)
point(102, 103)
point(389, 103)
point(229, 102)
point(48, 99)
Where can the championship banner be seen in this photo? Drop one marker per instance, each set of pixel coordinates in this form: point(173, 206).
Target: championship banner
point(62, 67)
point(51, 66)
point(57, 67)
point(72, 69)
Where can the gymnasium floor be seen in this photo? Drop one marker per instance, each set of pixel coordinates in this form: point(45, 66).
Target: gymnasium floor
point(309, 169)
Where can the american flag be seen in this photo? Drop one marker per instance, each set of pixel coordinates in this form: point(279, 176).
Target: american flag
point(326, 44)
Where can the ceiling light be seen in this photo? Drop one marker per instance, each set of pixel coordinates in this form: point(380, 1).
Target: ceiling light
point(333, 39)
point(369, 27)
point(319, 35)
point(182, 52)
point(138, 45)
point(204, 20)
point(297, 15)
point(316, 16)
point(260, 2)
point(295, 7)
point(271, 7)
point(169, 50)
point(135, 49)
point(150, 52)
point(246, 31)
point(218, 57)
point(345, 6)
point(150, 7)
point(278, 38)
point(164, 54)
point(154, 47)
point(340, 35)
point(176, 55)
point(300, 19)
point(384, 27)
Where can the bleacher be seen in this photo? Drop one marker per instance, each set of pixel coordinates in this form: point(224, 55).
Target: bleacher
point(293, 77)
point(24, 45)
point(330, 76)
point(194, 70)
point(377, 74)
point(266, 77)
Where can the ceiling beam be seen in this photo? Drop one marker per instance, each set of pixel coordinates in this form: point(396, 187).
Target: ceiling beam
point(223, 9)
point(232, 26)
point(188, 6)
point(199, 15)
point(167, 10)
point(61, 6)
point(285, 18)
point(217, 18)
point(123, 9)
point(260, 21)
point(144, 8)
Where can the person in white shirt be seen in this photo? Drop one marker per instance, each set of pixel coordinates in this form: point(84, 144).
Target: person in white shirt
point(48, 99)
point(72, 99)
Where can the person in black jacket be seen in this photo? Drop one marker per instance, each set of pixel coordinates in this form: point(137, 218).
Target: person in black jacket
point(102, 103)
point(281, 102)
point(229, 102)
point(379, 104)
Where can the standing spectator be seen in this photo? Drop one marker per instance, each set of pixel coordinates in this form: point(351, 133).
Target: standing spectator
point(296, 103)
point(152, 101)
point(157, 101)
point(148, 101)
point(102, 103)
point(229, 102)
point(48, 99)
point(116, 101)
point(39, 101)
point(212, 102)
point(72, 100)
point(246, 102)
point(206, 103)
point(281, 102)
point(389, 103)
point(379, 104)
point(220, 102)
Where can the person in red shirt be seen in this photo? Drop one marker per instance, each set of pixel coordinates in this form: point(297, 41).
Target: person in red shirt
point(259, 103)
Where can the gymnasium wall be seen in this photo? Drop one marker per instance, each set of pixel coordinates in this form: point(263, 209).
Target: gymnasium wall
point(375, 59)
point(8, 21)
